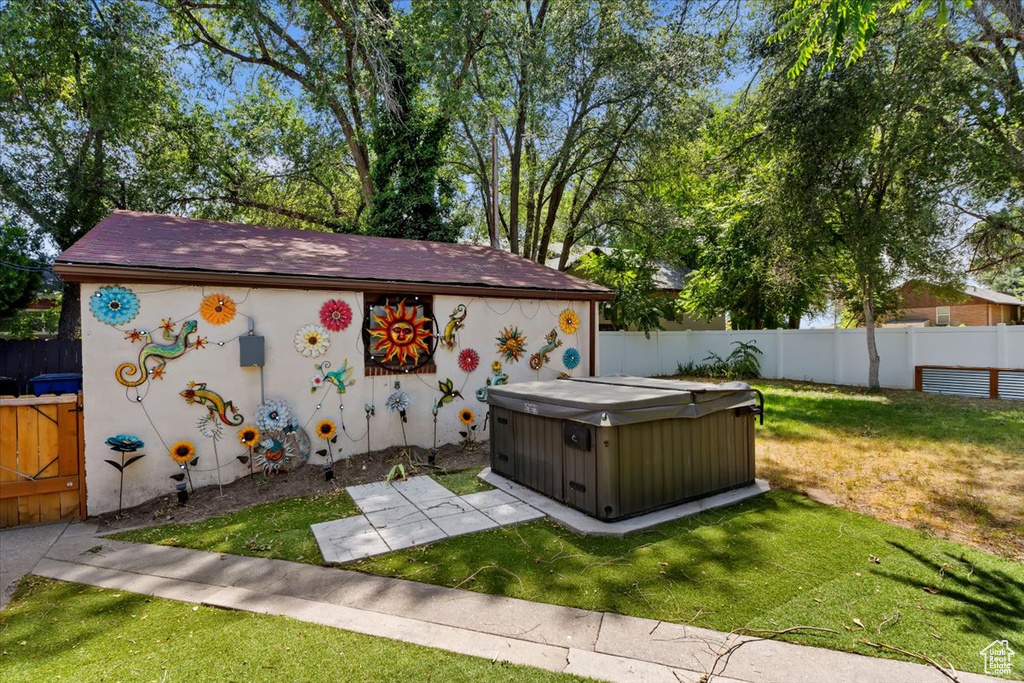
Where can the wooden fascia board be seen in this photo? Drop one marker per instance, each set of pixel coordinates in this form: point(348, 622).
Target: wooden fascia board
point(74, 272)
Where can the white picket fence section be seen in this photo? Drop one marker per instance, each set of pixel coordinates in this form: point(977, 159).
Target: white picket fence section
point(836, 356)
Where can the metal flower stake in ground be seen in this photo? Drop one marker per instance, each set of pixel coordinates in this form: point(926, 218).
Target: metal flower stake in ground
point(399, 402)
point(467, 418)
point(248, 436)
point(326, 431)
point(124, 443)
point(184, 453)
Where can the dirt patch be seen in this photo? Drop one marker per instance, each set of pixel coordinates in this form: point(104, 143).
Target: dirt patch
point(306, 480)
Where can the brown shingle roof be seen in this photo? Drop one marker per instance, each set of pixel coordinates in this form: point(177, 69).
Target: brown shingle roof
point(129, 244)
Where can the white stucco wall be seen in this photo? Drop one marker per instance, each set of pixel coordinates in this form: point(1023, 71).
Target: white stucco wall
point(163, 417)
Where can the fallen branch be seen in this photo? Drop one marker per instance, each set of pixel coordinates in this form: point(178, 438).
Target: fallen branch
point(725, 654)
point(948, 673)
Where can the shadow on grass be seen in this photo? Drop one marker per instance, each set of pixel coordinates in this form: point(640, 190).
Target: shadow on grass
point(992, 601)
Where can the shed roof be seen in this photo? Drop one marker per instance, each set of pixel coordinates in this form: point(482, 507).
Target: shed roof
point(143, 247)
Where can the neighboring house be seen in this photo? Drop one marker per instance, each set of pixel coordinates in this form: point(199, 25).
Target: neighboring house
point(921, 307)
point(669, 281)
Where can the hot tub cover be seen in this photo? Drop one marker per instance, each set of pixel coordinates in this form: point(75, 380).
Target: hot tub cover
point(620, 399)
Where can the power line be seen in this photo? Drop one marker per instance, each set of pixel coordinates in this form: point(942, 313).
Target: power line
point(27, 269)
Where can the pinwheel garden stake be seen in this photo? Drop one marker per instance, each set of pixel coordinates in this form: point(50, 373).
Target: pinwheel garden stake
point(124, 443)
point(209, 427)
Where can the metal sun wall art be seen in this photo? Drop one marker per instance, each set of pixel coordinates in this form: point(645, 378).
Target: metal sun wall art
point(312, 341)
point(114, 305)
point(159, 353)
point(217, 309)
point(456, 321)
point(335, 315)
point(400, 334)
point(551, 342)
point(197, 393)
point(511, 343)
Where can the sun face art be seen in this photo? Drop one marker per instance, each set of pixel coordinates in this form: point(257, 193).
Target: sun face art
point(399, 335)
point(511, 343)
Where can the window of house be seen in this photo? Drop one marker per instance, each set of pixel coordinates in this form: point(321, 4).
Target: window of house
point(398, 333)
point(942, 315)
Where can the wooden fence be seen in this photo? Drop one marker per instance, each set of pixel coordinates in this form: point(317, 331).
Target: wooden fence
point(42, 459)
point(22, 360)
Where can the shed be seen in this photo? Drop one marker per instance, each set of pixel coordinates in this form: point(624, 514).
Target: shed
point(194, 329)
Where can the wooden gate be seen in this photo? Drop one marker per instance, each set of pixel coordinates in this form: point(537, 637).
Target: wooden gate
point(42, 459)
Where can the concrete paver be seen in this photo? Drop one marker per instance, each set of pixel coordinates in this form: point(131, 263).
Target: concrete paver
point(465, 523)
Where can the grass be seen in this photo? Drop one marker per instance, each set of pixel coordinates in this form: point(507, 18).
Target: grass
point(55, 631)
point(278, 529)
point(952, 466)
point(462, 482)
point(773, 562)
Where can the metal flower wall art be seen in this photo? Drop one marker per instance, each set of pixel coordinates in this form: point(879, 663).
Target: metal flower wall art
point(551, 342)
point(153, 356)
point(124, 443)
point(197, 393)
point(400, 334)
point(511, 343)
point(571, 358)
point(456, 321)
point(312, 341)
point(335, 315)
point(114, 305)
point(217, 309)
point(468, 360)
point(568, 321)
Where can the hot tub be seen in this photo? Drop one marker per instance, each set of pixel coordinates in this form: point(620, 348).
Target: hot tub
point(614, 447)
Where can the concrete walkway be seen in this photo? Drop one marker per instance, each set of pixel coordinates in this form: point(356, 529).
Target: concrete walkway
point(20, 550)
point(603, 646)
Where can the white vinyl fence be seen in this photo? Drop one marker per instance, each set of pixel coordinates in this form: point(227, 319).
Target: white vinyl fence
point(837, 356)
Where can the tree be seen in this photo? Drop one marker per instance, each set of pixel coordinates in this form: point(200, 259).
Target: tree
point(870, 151)
point(356, 67)
point(630, 274)
point(19, 273)
point(84, 89)
point(743, 235)
point(574, 88)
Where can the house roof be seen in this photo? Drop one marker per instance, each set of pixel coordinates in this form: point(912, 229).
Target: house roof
point(143, 247)
point(667, 277)
point(994, 297)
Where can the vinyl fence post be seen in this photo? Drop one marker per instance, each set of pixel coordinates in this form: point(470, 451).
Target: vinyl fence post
point(912, 355)
point(1002, 346)
point(780, 370)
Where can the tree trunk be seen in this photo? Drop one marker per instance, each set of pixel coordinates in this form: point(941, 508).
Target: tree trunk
point(868, 295)
point(70, 324)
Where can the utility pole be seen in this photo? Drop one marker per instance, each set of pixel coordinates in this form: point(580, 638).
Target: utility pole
point(494, 184)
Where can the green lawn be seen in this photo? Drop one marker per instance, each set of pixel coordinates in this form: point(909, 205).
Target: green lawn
point(55, 631)
point(462, 482)
point(774, 562)
point(277, 529)
point(949, 465)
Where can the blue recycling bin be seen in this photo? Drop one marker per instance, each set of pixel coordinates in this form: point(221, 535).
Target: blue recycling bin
point(57, 383)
